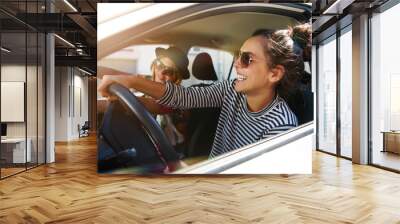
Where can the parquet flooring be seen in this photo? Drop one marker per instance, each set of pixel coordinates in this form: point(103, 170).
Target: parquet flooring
point(70, 191)
point(9, 171)
point(387, 159)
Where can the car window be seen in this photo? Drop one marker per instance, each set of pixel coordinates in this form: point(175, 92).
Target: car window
point(135, 59)
point(222, 61)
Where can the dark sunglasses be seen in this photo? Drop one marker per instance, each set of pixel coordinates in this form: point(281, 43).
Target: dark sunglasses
point(245, 58)
point(165, 70)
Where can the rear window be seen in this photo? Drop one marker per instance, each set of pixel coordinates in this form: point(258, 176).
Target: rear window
point(222, 61)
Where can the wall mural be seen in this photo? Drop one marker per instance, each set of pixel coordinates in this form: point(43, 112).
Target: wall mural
point(254, 118)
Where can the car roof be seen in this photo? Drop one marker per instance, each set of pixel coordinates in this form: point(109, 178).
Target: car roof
point(227, 32)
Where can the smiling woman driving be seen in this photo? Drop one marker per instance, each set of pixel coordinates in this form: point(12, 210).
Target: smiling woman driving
point(253, 105)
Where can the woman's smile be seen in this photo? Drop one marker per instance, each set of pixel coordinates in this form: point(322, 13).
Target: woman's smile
point(241, 77)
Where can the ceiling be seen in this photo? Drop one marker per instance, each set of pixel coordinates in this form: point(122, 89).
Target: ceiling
point(328, 16)
point(76, 23)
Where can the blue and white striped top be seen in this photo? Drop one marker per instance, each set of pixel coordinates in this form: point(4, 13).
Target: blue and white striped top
point(237, 126)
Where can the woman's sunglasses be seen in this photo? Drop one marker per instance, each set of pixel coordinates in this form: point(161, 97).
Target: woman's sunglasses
point(165, 70)
point(245, 58)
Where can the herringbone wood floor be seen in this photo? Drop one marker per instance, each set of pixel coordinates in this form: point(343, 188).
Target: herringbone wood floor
point(70, 191)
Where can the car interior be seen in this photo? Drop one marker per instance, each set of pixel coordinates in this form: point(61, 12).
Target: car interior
point(224, 32)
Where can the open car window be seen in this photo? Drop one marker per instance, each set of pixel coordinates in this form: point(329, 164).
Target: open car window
point(189, 29)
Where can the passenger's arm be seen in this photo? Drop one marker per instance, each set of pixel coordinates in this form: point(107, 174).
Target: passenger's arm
point(150, 88)
point(153, 107)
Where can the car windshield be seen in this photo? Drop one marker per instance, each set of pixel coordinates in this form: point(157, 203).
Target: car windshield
point(117, 19)
point(135, 59)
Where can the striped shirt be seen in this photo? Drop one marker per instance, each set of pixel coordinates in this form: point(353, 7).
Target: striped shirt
point(237, 126)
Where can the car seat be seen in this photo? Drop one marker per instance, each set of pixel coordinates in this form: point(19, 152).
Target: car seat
point(301, 101)
point(202, 122)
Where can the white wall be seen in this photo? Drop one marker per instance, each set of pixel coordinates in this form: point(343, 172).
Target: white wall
point(71, 94)
point(61, 103)
point(33, 126)
point(15, 73)
point(80, 96)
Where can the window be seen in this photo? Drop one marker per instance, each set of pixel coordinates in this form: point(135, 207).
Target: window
point(346, 92)
point(385, 85)
point(327, 95)
point(22, 68)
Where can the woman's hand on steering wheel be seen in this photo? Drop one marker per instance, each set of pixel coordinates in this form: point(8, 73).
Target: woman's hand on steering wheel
point(110, 79)
point(163, 150)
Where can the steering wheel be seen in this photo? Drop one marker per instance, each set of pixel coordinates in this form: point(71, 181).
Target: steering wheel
point(130, 137)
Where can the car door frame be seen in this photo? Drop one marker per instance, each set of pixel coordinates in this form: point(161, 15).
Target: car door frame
point(298, 11)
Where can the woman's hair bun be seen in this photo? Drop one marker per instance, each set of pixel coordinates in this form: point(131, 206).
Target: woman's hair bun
point(302, 35)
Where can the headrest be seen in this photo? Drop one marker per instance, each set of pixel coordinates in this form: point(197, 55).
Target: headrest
point(203, 68)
